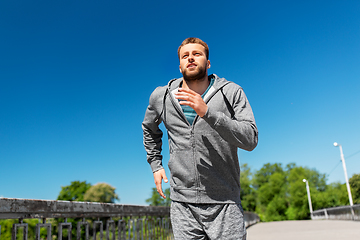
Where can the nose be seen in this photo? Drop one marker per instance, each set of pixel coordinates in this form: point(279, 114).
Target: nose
point(191, 58)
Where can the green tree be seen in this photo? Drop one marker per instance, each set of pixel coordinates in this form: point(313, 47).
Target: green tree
point(354, 182)
point(276, 209)
point(297, 194)
point(281, 194)
point(82, 191)
point(74, 192)
point(101, 192)
point(262, 176)
point(157, 200)
point(335, 195)
point(7, 224)
point(272, 197)
point(247, 192)
point(298, 202)
point(270, 185)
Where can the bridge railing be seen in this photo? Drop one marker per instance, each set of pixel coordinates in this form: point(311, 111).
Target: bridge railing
point(59, 219)
point(338, 213)
point(81, 220)
point(250, 218)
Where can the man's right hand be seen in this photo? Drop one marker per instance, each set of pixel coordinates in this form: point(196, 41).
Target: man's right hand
point(158, 177)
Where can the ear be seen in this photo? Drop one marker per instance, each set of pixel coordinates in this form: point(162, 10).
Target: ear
point(180, 68)
point(208, 64)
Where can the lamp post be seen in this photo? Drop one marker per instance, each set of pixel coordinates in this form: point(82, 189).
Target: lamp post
point(309, 198)
point(346, 177)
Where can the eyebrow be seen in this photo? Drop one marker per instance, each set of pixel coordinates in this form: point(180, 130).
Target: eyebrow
point(193, 51)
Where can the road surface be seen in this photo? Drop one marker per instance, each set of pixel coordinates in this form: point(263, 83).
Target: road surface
point(308, 230)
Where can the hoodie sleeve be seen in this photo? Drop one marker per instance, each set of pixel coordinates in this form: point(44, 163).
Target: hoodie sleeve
point(152, 134)
point(240, 130)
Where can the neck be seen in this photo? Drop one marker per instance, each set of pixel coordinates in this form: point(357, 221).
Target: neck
point(199, 86)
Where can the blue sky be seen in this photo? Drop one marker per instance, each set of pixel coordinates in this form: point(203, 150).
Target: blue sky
point(76, 76)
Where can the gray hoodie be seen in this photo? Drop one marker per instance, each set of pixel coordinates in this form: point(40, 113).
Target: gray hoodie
point(203, 161)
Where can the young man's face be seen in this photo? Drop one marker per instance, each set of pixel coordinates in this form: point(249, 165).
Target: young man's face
point(193, 62)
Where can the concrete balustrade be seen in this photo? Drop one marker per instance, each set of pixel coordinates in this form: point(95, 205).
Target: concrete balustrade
point(250, 218)
point(338, 213)
point(123, 221)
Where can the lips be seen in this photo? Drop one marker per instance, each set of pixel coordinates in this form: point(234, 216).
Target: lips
point(191, 65)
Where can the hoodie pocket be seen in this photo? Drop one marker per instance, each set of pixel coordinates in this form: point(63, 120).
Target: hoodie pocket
point(182, 168)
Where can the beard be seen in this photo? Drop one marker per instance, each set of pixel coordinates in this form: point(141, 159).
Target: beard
point(198, 74)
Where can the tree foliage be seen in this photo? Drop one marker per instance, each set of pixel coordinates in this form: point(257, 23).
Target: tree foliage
point(157, 200)
point(74, 192)
point(82, 191)
point(247, 192)
point(276, 193)
point(7, 225)
point(354, 182)
point(101, 192)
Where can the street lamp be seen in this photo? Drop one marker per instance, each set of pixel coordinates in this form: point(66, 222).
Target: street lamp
point(346, 177)
point(308, 194)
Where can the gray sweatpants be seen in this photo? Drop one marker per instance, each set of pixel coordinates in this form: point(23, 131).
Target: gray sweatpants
point(207, 221)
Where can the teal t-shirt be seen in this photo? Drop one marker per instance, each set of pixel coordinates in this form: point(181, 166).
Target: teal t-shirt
point(190, 113)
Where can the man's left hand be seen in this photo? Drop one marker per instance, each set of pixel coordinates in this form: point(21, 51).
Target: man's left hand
point(193, 100)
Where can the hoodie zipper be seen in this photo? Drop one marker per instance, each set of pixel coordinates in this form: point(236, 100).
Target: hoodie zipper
point(192, 136)
point(178, 109)
point(197, 177)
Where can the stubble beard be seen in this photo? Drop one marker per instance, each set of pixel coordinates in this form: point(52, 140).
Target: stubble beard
point(198, 74)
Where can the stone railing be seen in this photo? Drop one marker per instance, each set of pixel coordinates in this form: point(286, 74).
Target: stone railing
point(82, 220)
point(59, 219)
point(338, 213)
point(250, 218)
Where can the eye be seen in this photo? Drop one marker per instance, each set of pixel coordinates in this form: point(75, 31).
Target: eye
point(184, 56)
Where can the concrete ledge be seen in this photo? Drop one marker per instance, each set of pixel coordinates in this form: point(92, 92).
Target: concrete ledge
point(338, 213)
point(12, 208)
point(250, 218)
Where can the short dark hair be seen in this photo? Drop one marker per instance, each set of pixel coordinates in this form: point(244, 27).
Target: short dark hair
point(194, 40)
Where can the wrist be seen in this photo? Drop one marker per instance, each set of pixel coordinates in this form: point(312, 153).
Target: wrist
point(202, 114)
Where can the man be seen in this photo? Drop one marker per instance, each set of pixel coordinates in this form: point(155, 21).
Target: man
point(207, 118)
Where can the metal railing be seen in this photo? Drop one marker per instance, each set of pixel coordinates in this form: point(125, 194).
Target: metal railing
point(338, 213)
point(60, 218)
